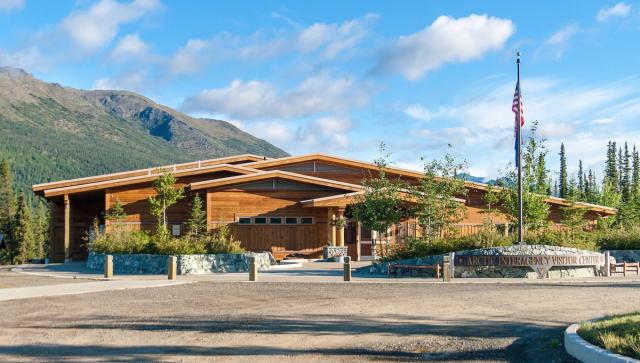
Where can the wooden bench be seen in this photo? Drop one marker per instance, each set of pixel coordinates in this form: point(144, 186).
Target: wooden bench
point(626, 266)
point(280, 253)
point(398, 268)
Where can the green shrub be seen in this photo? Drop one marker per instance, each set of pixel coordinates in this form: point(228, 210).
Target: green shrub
point(574, 238)
point(423, 247)
point(221, 240)
point(121, 242)
point(186, 245)
point(618, 239)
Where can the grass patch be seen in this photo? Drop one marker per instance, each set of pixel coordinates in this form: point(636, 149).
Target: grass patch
point(618, 333)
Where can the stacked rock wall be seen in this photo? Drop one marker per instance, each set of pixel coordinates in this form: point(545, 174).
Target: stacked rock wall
point(187, 264)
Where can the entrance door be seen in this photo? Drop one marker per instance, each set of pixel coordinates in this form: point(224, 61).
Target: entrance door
point(366, 249)
point(351, 240)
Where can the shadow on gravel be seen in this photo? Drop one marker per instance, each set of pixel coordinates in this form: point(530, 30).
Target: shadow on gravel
point(532, 342)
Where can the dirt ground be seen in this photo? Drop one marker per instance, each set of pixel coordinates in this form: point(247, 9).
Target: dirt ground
point(322, 322)
point(9, 279)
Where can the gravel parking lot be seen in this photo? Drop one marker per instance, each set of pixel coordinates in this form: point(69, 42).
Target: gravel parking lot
point(275, 321)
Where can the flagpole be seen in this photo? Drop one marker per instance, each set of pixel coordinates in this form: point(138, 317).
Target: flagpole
point(519, 157)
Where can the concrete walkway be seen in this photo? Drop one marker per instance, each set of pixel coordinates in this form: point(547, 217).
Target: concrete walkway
point(307, 272)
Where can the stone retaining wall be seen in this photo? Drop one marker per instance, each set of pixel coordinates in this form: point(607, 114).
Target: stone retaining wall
point(526, 272)
point(494, 271)
point(187, 264)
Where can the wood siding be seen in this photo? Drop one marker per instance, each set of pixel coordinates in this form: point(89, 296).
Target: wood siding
point(226, 206)
point(135, 202)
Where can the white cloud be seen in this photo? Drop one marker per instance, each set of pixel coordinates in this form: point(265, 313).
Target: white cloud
point(130, 46)
point(11, 5)
point(129, 81)
point(556, 129)
point(328, 132)
point(335, 38)
point(328, 39)
point(481, 128)
point(96, 27)
point(619, 10)
point(262, 100)
point(27, 58)
point(603, 121)
point(556, 45)
point(446, 40)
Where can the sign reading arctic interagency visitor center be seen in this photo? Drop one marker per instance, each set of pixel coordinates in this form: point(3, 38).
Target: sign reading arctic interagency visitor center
point(530, 260)
point(539, 263)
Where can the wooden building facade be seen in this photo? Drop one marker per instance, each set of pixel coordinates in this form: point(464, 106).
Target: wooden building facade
point(286, 204)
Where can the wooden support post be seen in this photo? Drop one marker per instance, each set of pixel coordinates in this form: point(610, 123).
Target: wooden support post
point(67, 228)
point(108, 266)
point(446, 269)
point(358, 238)
point(452, 258)
point(347, 268)
point(331, 228)
point(172, 269)
point(506, 229)
point(340, 237)
point(253, 269)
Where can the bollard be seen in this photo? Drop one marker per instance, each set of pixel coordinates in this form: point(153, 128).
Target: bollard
point(452, 259)
point(253, 269)
point(607, 264)
point(173, 267)
point(108, 266)
point(347, 268)
point(446, 269)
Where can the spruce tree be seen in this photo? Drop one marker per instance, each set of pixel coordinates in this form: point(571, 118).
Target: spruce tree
point(620, 168)
point(625, 182)
point(581, 181)
point(635, 174)
point(563, 186)
point(7, 208)
point(24, 236)
point(611, 167)
point(41, 226)
point(197, 222)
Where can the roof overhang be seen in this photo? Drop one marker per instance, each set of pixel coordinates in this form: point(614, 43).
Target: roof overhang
point(342, 200)
point(145, 178)
point(241, 179)
point(149, 171)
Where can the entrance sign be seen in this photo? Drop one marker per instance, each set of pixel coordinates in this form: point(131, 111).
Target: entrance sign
point(539, 263)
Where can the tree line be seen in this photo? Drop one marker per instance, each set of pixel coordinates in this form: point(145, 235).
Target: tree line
point(24, 226)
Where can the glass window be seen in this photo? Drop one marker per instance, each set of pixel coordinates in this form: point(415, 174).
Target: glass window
point(260, 220)
point(291, 220)
point(306, 220)
point(275, 220)
point(244, 220)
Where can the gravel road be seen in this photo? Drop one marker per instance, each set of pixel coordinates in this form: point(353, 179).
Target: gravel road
point(317, 322)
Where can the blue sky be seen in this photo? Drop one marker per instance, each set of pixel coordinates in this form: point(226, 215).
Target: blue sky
point(340, 77)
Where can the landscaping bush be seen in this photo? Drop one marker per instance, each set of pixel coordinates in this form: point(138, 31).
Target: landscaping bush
point(618, 239)
point(573, 238)
point(219, 240)
point(120, 242)
point(422, 247)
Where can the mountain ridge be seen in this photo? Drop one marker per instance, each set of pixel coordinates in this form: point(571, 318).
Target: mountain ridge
point(50, 132)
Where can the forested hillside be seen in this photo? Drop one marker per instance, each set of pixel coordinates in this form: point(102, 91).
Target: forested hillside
point(49, 132)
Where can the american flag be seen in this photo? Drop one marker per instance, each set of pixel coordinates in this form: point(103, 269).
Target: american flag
point(517, 98)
